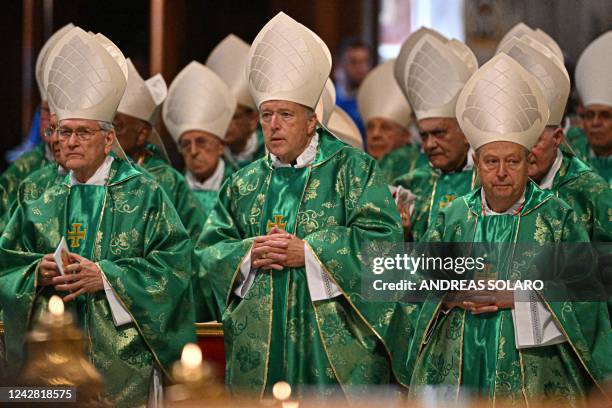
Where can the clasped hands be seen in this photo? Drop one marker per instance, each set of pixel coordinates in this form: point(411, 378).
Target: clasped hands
point(479, 301)
point(81, 276)
point(277, 250)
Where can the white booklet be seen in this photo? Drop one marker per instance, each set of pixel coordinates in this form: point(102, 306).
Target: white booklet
point(62, 259)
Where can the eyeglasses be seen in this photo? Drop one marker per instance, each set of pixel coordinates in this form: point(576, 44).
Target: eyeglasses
point(49, 131)
point(203, 144)
point(83, 134)
point(603, 115)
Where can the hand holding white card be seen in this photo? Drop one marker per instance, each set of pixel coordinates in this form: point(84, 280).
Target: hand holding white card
point(61, 256)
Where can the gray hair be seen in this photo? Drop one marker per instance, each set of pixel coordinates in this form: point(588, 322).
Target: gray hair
point(105, 126)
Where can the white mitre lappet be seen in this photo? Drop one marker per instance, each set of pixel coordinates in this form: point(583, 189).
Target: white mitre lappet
point(85, 78)
point(344, 128)
point(326, 103)
point(407, 45)
point(433, 75)
point(198, 100)
point(143, 99)
point(379, 96)
point(594, 72)
point(228, 60)
point(287, 62)
point(502, 102)
point(546, 69)
point(522, 29)
point(39, 70)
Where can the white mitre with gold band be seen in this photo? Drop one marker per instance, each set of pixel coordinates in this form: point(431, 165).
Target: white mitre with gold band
point(43, 55)
point(288, 62)
point(407, 45)
point(344, 128)
point(433, 76)
point(326, 103)
point(502, 102)
point(522, 29)
point(379, 96)
point(83, 80)
point(198, 100)
point(546, 69)
point(143, 99)
point(228, 60)
point(594, 72)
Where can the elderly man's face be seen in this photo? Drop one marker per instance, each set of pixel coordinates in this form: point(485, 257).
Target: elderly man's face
point(287, 128)
point(45, 114)
point(502, 169)
point(384, 135)
point(544, 153)
point(444, 143)
point(52, 139)
point(132, 133)
point(243, 124)
point(201, 151)
point(597, 122)
point(84, 145)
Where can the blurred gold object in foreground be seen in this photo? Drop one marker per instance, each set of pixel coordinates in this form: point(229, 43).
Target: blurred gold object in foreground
point(56, 357)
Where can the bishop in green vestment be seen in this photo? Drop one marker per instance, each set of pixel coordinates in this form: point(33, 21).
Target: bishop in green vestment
point(128, 281)
point(497, 348)
point(282, 247)
point(449, 174)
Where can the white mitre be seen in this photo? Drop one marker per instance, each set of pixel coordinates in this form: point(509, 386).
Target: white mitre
point(288, 62)
point(83, 80)
point(43, 55)
point(326, 103)
point(228, 60)
point(594, 72)
point(546, 69)
point(502, 102)
point(198, 100)
point(433, 75)
point(143, 99)
point(344, 128)
point(522, 29)
point(379, 96)
point(407, 45)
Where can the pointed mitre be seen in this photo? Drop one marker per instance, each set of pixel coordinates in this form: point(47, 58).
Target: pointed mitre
point(552, 76)
point(521, 29)
point(433, 76)
point(83, 80)
point(198, 100)
point(326, 103)
point(379, 96)
point(594, 72)
point(43, 55)
point(228, 60)
point(344, 128)
point(289, 62)
point(502, 102)
point(407, 45)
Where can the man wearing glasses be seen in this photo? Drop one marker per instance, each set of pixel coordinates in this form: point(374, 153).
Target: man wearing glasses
point(127, 278)
point(197, 113)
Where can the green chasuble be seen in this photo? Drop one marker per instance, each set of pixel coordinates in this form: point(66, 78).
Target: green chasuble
point(580, 144)
point(466, 353)
point(434, 190)
point(186, 204)
point(19, 170)
point(588, 194)
point(131, 230)
point(401, 161)
point(339, 205)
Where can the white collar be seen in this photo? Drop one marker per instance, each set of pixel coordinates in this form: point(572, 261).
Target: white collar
point(100, 177)
point(247, 153)
point(512, 210)
point(469, 165)
point(304, 159)
point(213, 183)
point(547, 181)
